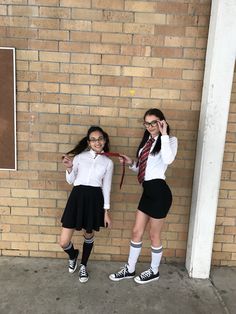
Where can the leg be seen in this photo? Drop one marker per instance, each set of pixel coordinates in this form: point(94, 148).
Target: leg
point(140, 224)
point(155, 235)
point(156, 247)
point(128, 271)
point(87, 248)
point(67, 246)
point(66, 235)
point(136, 242)
point(156, 226)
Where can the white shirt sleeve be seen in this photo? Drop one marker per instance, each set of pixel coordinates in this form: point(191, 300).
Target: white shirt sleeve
point(169, 147)
point(70, 177)
point(134, 167)
point(106, 185)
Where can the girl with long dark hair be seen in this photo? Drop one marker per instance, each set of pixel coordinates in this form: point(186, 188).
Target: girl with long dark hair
point(87, 207)
point(156, 151)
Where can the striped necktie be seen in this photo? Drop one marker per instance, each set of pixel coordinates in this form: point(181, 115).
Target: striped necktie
point(143, 159)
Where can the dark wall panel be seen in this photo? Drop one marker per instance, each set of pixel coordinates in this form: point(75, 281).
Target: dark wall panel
point(7, 109)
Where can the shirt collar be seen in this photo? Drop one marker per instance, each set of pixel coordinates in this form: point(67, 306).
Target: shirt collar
point(92, 152)
point(155, 138)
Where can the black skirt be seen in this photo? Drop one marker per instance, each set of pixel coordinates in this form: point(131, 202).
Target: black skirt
point(84, 209)
point(156, 199)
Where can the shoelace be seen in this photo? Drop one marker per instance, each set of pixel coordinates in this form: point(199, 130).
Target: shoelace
point(122, 271)
point(83, 271)
point(71, 263)
point(146, 274)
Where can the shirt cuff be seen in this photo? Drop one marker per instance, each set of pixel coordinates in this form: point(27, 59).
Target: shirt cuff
point(106, 206)
point(133, 166)
point(165, 138)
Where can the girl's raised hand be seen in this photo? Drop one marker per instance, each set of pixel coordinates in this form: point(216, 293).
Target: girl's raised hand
point(163, 127)
point(67, 161)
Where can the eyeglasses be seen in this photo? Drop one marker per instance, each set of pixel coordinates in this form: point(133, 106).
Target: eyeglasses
point(94, 140)
point(152, 123)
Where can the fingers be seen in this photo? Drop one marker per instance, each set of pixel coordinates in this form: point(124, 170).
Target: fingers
point(162, 123)
point(65, 157)
point(108, 225)
point(124, 156)
point(120, 159)
point(66, 160)
point(107, 222)
point(162, 126)
point(128, 160)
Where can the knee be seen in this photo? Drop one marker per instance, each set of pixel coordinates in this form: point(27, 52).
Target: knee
point(63, 243)
point(88, 236)
point(137, 235)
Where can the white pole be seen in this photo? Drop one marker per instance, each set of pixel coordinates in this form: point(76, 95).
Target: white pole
point(217, 85)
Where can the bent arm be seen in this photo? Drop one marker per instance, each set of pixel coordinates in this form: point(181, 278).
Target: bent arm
point(169, 147)
point(71, 176)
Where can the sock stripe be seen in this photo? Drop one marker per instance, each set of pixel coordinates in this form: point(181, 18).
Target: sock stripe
point(89, 241)
point(157, 249)
point(136, 244)
point(68, 247)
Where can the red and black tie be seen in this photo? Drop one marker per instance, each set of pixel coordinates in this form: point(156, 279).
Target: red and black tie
point(143, 159)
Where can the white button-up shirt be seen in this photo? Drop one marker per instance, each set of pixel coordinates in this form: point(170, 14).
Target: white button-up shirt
point(92, 170)
point(158, 163)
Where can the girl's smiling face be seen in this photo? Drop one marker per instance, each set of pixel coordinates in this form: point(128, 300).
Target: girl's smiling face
point(96, 141)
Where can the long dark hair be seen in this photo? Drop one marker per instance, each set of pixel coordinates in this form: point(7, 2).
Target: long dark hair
point(159, 114)
point(83, 143)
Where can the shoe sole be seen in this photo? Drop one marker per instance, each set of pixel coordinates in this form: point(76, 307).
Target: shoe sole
point(119, 279)
point(83, 280)
point(137, 280)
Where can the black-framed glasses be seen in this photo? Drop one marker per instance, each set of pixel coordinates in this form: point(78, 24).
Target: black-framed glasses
point(99, 139)
point(152, 123)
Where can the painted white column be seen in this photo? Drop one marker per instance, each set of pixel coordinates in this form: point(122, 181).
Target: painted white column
point(217, 85)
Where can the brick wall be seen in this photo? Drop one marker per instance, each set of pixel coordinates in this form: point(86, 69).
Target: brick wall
point(224, 249)
point(101, 62)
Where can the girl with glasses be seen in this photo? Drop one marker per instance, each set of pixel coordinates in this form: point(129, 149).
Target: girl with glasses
point(155, 152)
point(87, 207)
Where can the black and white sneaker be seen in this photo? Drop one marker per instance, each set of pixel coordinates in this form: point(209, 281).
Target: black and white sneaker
point(83, 274)
point(73, 263)
point(147, 276)
point(122, 274)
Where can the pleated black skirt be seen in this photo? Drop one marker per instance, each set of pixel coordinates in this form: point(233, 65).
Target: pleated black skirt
point(84, 209)
point(156, 199)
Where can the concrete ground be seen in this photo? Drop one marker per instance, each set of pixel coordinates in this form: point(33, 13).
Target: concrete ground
point(44, 286)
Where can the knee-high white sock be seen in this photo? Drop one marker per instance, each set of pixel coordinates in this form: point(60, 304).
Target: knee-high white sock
point(156, 258)
point(134, 251)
